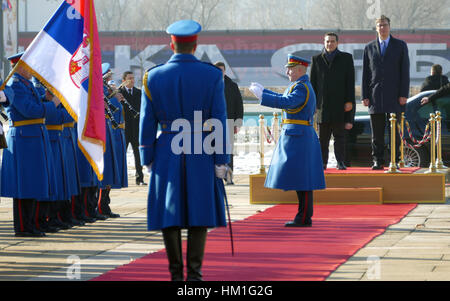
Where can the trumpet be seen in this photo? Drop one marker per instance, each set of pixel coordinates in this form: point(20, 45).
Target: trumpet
point(114, 91)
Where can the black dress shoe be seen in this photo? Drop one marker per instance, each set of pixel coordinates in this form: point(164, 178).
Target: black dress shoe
point(113, 215)
point(50, 229)
point(294, 224)
point(101, 217)
point(341, 166)
point(377, 166)
point(32, 233)
point(89, 220)
point(141, 183)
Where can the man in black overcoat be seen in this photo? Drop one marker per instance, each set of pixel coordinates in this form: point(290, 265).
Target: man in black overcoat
point(385, 85)
point(235, 112)
point(333, 80)
point(133, 96)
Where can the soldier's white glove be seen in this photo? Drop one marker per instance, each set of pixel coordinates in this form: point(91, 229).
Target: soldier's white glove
point(256, 89)
point(258, 85)
point(221, 171)
point(2, 96)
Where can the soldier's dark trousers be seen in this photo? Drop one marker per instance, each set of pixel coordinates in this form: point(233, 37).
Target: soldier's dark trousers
point(305, 207)
point(90, 200)
point(195, 252)
point(104, 201)
point(41, 215)
point(24, 214)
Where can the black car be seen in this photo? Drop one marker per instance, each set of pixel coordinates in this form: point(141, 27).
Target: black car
point(359, 149)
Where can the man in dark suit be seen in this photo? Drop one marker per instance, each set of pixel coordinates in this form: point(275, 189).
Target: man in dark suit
point(235, 112)
point(133, 96)
point(333, 80)
point(385, 85)
point(436, 80)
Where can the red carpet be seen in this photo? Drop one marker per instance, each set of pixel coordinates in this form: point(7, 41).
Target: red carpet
point(267, 251)
point(353, 170)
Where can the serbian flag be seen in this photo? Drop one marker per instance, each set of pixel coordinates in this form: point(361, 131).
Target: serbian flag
point(65, 56)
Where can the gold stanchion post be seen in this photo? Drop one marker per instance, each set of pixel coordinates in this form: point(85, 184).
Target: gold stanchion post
point(393, 165)
point(262, 169)
point(439, 163)
point(401, 163)
point(275, 127)
point(432, 168)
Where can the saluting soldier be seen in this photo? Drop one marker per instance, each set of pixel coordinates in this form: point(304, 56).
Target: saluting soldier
point(27, 168)
point(297, 161)
point(183, 188)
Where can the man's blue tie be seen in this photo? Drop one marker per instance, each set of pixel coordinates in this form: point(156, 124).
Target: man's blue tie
point(383, 47)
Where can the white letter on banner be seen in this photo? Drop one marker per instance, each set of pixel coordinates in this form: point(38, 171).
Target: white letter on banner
point(214, 55)
point(414, 58)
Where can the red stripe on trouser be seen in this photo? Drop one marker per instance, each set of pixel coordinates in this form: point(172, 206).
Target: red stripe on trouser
point(19, 202)
point(99, 203)
point(305, 207)
point(37, 216)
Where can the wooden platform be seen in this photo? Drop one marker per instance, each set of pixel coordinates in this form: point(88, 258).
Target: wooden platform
point(361, 188)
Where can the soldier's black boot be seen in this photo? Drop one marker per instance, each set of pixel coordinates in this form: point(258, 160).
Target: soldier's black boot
point(195, 251)
point(172, 242)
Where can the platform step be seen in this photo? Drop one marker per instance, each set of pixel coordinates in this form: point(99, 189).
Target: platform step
point(363, 188)
point(346, 196)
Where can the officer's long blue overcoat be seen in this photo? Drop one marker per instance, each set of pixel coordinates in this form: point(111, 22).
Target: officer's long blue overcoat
point(297, 161)
point(183, 188)
point(111, 169)
point(70, 151)
point(27, 166)
point(118, 135)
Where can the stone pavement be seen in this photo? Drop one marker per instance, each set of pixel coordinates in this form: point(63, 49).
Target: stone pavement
point(417, 248)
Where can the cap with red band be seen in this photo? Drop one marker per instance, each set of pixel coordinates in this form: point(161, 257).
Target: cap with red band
point(15, 58)
point(184, 31)
point(295, 60)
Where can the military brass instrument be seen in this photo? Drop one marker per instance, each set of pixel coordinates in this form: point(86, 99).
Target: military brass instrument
point(114, 91)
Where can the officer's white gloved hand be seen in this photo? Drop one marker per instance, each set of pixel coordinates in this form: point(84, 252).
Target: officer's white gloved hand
point(259, 85)
point(148, 167)
point(256, 89)
point(221, 171)
point(2, 96)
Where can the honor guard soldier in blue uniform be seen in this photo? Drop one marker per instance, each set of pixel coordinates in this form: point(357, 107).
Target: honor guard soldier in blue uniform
point(84, 204)
point(117, 155)
point(297, 162)
point(28, 172)
point(183, 188)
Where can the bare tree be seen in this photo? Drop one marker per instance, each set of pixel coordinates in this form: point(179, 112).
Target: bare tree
point(417, 13)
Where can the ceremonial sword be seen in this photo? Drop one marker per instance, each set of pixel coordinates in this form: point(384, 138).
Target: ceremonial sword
point(221, 187)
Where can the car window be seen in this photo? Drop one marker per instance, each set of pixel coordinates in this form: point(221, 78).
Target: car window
point(442, 105)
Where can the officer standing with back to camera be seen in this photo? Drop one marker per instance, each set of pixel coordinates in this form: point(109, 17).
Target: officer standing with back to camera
point(27, 171)
point(184, 187)
point(297, 161)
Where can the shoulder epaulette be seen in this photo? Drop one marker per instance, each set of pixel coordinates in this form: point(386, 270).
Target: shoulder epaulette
point(156, 66)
